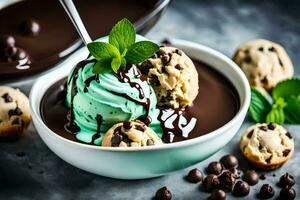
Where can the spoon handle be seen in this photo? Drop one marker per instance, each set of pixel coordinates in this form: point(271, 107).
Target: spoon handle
point(76, 20)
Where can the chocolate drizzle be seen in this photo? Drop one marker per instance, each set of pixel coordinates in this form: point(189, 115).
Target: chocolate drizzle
point(176, 123)
point(99, 120)
point(88, 81)
point(71, 126)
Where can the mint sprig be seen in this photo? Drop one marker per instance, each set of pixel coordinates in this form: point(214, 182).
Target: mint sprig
point(121, 49)
point(286, 106)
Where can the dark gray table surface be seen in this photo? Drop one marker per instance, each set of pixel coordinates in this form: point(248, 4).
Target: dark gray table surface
point(220, 24)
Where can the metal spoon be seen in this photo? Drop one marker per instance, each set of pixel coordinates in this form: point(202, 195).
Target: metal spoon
point(76, 20)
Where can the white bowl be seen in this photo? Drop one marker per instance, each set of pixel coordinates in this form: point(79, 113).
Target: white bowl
point(139, 162)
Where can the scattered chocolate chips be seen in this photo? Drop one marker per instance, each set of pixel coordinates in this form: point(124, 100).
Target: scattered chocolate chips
point(229, 161)
point(7, 98)
point(154, 80)
point(227, 180)
point(251, 177)
point(145, 67)
point(286, 152)
point(263, 128)
point(150, 142)
point(286, 180)
point(163, 194)
point(140, 128)
point(241, 189)
point(17, 111)
point(161, 52)
point(268, 160)
point(15, 121)
point(248, 59)
point(127, 125)
point(217, 194)
point(266, 192)
point(165, 59)
point(271, 126)
point(7, 41)
point(214, 168)
point(194, 176)
point(210, 182)
point(287, 193)
point(30, 27)
point(272, 49)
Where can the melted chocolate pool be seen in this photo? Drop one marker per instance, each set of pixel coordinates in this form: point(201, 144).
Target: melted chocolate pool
point(42, 29)
point(216, 104)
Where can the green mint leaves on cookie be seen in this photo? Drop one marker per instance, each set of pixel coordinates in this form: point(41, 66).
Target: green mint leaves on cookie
point(121, 49)
point(286, 105)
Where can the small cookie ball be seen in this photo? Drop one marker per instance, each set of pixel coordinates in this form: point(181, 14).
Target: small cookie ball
point(267, 146)
point(173, 76)
point(265, 63)
point(14, 113)
point(130, 134)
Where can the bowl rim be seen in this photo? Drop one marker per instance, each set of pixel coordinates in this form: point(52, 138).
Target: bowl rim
point(242, 110)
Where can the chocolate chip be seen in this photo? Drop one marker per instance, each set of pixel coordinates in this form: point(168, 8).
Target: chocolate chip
point(271, 126)
point(154, 80)
point(30, 27)
point(7, 41)
point(145, 67)
point(150, 142)
point(163, 194)
point(286, 152)
point(229, 161)
point(227, 180)
point(194, 176)
point(272, 49)
point(251, 177)
point(116, 140)
point(20, 154)
point(241, 189)
point(140, 128)
point(265, 80)
point(179, 52)
point(286, 180)
point(17, 111)
point(262, 177)
point(179, 66)
point(163, 70)
point(20, 54)
point(214, 168)
point(287, 193)
point(263, 128)
point(249, 135)
point(280, 62)
point(247, 59)
point(217, 194)
point(161, 52)
point(288, 134)
point(165, 59)
point(266, 192)
point(210, 182)
point(15, 121)
point(260, 49)
point(127, 125)
point(7, 98)
point(268, 160)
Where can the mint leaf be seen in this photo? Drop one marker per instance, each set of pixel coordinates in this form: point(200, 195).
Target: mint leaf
point(102, 66)
point(140, 51)
point(115, 64)
point(259, 106)
point(292, 110)
point(122, 35)
point(286, 88)
point(276, 115)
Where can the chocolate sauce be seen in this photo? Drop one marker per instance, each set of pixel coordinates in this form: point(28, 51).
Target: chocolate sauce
point(216, 104)
point(88, 81)
point(99, 119)
point(43, 30)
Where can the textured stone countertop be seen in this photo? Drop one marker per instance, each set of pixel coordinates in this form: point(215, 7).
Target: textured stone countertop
point(222, 25)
